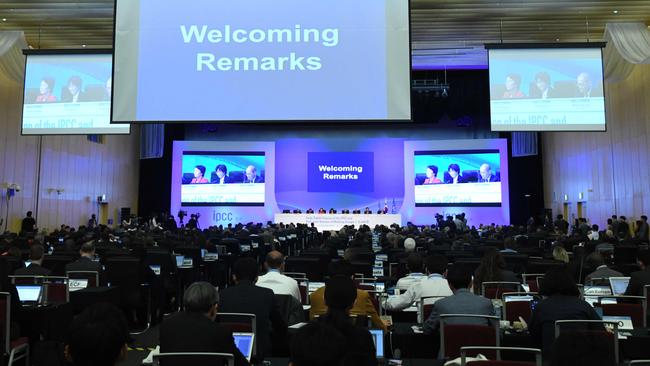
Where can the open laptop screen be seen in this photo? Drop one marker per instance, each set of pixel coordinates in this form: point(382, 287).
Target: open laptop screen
point(619, 284)
point(244, 342)
point(378, 337)
point(624, 322)
point(29, 293)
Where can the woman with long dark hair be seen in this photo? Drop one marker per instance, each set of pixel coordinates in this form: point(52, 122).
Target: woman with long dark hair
point(492, 269)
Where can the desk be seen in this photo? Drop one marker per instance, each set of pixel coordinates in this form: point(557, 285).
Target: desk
point(337, 221)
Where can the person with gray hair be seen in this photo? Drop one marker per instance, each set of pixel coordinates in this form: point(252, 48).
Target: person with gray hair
point(409, 245)
point(194, 329)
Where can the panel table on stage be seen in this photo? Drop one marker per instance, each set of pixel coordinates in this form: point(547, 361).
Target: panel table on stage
point(337, 221)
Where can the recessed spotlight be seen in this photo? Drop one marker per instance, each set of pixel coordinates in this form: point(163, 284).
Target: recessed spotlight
point(83, 46)
point(615, 11)
point(4, 19)
point(557, 40)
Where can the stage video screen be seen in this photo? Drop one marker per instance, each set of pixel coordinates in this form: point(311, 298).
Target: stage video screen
point(223, 178)
point(457, 178)
point(259, 60)
point(68, 94)
point(547, 89)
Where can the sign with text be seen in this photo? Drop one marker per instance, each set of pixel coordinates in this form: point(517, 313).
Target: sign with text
point(340, 172)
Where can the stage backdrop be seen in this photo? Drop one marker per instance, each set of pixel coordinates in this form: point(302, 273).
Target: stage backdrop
point(352, 174)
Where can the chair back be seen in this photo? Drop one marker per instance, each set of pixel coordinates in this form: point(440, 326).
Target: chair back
point(458, 330)
point(56, 289)
point(26, 279)
point(5, 321)
point(512, 310)
point(425, 306)
point(537, 353)
point(238, 323)
point(532, 280)
point(632, 306)
point(303, 287)
point(195, 358)
point(591, 328)
point(494, 290)
point(91, 276)
point(598, 281)
point(646, 295)
point(56, 263)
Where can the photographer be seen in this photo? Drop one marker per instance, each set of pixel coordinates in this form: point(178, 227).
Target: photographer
point(194, 222)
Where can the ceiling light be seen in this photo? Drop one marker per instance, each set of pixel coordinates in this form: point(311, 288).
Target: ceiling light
point(4, 19)
point(615, 11)
point(83, 46)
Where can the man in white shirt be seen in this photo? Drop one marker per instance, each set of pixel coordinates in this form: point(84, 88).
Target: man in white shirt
point(414, 266)
point(275, 280)
point(434, 285)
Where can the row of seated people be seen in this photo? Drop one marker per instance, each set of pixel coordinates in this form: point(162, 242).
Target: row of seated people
point(246, 273)
point(194, 329)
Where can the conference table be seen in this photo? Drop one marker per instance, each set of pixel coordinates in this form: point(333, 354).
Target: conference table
point(337, 221)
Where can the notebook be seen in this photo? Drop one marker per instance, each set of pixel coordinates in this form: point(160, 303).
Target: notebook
point(619, 285)
point(244, 342)
point(378, 338)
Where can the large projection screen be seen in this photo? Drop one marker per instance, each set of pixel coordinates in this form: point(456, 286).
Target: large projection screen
point(257, 60)
point(547, 87)
point(68, 92)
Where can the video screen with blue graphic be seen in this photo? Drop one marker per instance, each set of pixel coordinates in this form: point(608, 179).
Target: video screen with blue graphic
point(212, 178)
point(68, 94)
point(457, 178)
point(258, 60)
point(340, 172)
point(547, 89)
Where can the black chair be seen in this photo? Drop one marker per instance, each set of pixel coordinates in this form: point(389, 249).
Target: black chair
point(309, 265)
point(127, 273)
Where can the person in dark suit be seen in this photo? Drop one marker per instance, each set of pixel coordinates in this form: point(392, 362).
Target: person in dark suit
point(596, 260)
point(485, 174)
point(28, 224)
point(86, 261)
point(221, 175)
point(454, 176)
point(251, 175)
point(35, 268)
point(194, 329)
point(584, 87)
point(562, 302)
point(641, 278)
point(340, 295)
point(318, 344)
point(542, 88)
point(463, 301)
point(644, 229)
point(245, 297)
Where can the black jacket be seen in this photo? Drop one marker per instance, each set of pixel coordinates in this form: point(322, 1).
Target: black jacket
point(638, 280)
point(194, 332)
point(86, 264)
point(33, 270)
point(557, 307)
point(245, 297)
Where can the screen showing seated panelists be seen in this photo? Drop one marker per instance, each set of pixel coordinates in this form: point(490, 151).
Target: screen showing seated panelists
point(259, 60)
point(223, 178)
point(547, 89)
point(457, 178)
point(68, 94)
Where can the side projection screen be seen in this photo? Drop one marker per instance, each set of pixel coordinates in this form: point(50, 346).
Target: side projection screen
point(558, 88)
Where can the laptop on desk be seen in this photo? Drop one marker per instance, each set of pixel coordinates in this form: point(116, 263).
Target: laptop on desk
point(245, 342)
point(619, 285)
point(378, 338)
point(29, 295)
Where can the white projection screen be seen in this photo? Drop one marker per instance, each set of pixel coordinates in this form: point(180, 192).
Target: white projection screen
point(68, 92)
point(555, 87)
point(259, 60)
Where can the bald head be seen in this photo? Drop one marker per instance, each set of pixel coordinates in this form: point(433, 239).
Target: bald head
point(274, 260)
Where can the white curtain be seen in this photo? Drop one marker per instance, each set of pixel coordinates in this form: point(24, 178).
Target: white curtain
point(12, 60)
point(628, 44)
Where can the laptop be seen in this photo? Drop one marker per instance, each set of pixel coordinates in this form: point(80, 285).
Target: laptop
point(313, 286)
point(29, 294)
point(378, 338)
point(211, 257)
point(179, 260)
point(619, 285)
point(245, 248)
point(597, 291)
point(155, 268)
point(244, 342)
point(75, 284)
point(624, 322)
